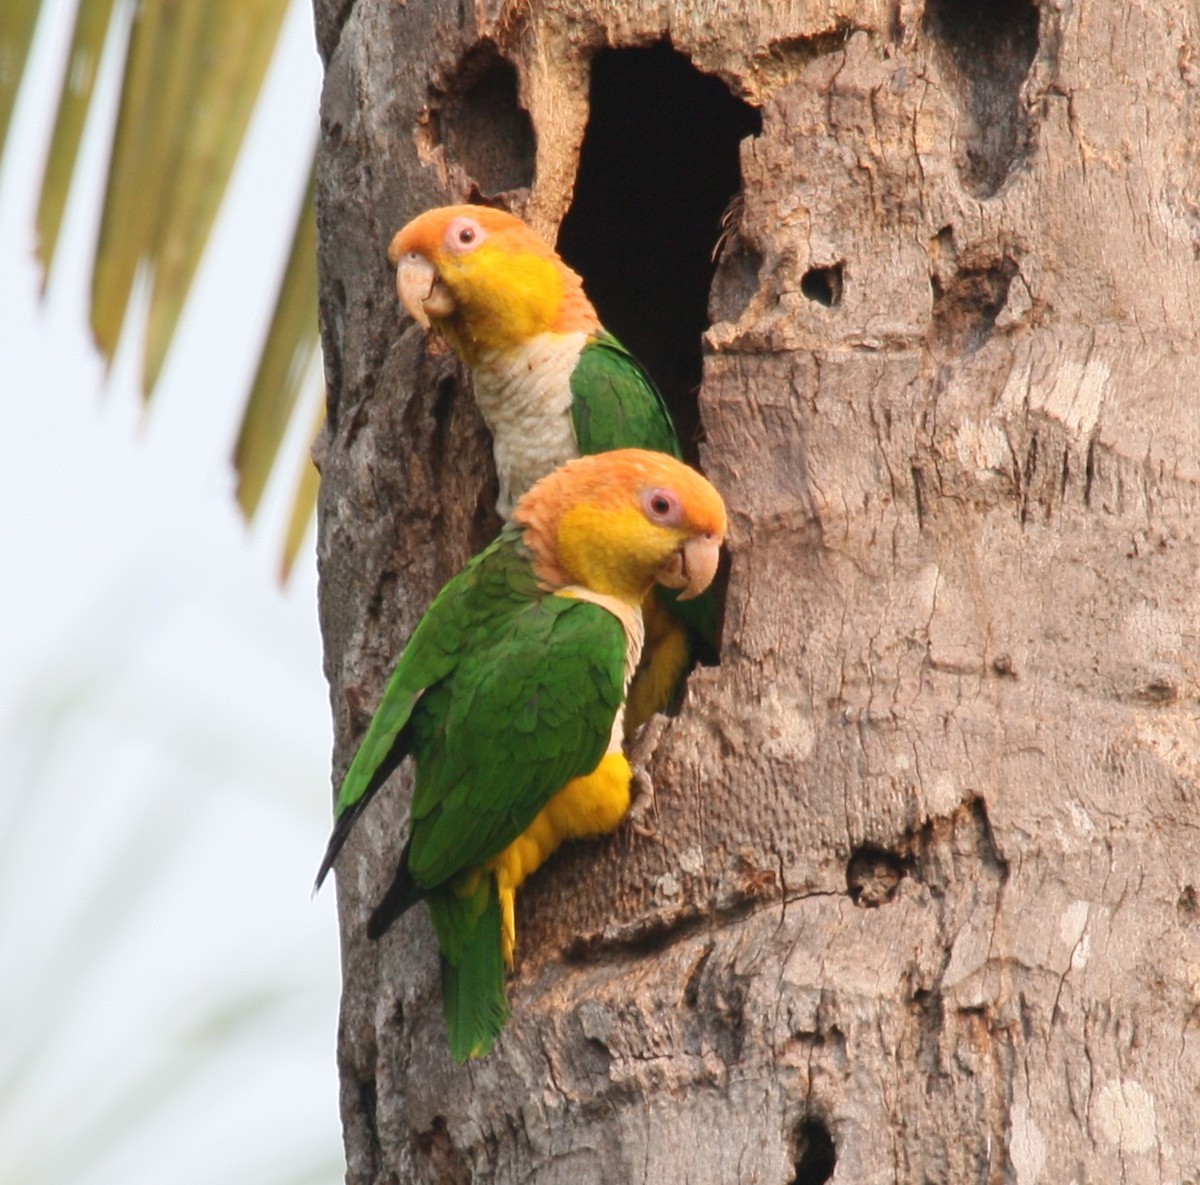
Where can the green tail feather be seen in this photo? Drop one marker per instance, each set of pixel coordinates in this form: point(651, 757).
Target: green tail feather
point(473, 994)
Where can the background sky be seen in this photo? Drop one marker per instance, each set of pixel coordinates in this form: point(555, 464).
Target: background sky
point(168, 992)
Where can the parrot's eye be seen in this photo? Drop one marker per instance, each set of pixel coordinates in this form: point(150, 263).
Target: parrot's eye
point(463, 235)
point(661, 506)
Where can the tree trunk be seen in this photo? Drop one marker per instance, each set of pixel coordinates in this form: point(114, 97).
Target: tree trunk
point(923, 901)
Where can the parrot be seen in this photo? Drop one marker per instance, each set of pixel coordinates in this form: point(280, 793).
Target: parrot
point(509, 697)
point(551, 382)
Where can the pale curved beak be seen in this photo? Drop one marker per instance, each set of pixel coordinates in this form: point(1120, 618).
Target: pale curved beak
point(420, 289)
point(692, 567)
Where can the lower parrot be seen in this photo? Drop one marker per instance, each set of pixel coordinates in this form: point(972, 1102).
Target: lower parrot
point(510, 696)
point(551, 383)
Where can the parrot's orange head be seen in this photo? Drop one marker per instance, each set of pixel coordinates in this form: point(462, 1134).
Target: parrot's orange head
point(618, 522)
point(485, 280)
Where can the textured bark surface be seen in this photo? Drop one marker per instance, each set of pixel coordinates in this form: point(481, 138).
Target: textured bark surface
point(926, 879)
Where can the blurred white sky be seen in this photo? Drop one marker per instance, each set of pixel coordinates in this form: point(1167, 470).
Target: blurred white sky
point(168, 991)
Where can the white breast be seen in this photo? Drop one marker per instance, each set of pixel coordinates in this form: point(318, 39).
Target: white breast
point(525, 397)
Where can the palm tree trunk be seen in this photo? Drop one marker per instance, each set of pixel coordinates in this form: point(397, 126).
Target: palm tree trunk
point(922, 901)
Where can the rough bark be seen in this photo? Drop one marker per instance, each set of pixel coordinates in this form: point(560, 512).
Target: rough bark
point(926, 865)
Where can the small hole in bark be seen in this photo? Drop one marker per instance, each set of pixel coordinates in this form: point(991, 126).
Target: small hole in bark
point(481, 122)
point(1004, 666)
point(873, 875)
point(1158, 692)
point(967, 300)
point(434, 1150)
point(815, 1154)
point(691, 990)
point(658, 168)
point(368, 1103)
point(985, 51)
point(1188, 905)
point(989, 851)
point(384, 594)
point(823, 284)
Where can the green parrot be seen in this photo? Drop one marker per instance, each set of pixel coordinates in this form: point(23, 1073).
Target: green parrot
point(510, 696)
point(551, 383)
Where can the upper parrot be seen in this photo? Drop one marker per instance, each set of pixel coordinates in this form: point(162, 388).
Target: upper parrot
point(551, 383)
point(510, 697)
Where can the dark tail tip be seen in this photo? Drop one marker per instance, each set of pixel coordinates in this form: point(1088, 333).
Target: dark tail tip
point(341, 832)
point(402, 894)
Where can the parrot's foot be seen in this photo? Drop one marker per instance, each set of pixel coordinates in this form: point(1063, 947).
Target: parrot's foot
point(642, 785)
point(643, 803)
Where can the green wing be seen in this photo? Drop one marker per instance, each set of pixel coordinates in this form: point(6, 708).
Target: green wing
point(494, 586)
point(615, 403)
point(527, 709)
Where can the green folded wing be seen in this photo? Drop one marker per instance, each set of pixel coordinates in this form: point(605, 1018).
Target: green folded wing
point(615, 403)
point(494, 586)
point(526, 710)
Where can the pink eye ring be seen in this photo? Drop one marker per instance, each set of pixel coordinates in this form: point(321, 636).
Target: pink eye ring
point(463, 235)
point(661, 506)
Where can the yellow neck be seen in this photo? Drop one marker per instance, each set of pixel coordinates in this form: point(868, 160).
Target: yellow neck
point(614, 552)
point(501, 303)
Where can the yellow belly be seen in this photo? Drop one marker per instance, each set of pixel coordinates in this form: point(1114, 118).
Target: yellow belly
point(583, 809)
point(666, 653)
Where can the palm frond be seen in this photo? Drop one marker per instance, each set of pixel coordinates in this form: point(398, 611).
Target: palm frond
point(283, 365)
point(18, 19)
point(191, 78)
point(74, 103)
point(219, 91)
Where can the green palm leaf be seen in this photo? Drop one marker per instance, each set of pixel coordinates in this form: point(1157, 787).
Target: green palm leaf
point(217, 94)
point(87, 43)
point(144, 147)
point(192, 77)
point(286, 358)
point(17, 21)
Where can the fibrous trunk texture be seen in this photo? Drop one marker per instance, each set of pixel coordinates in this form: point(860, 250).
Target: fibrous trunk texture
point(923, 902)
